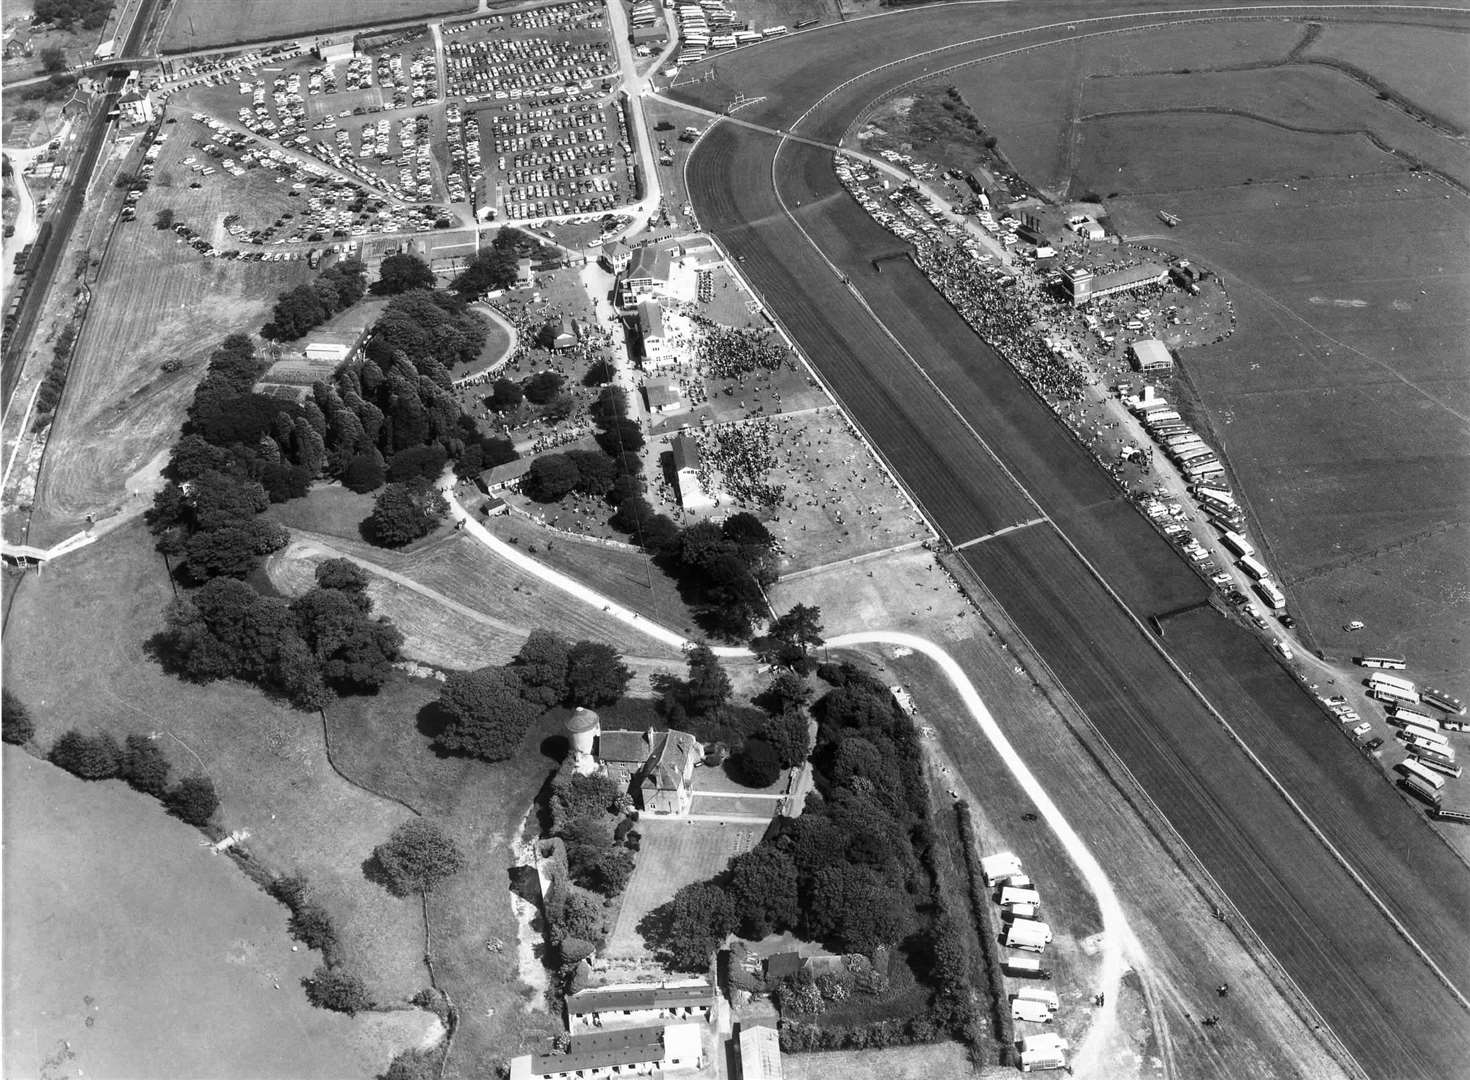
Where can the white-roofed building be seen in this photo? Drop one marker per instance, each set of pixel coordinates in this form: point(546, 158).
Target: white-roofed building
point(760, 1052)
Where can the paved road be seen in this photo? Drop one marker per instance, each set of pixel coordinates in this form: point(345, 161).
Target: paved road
point(981, 454)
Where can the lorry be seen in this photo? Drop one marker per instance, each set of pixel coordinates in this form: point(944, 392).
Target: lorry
point(1028, 934)
point(1026, 967)
point(1040, 994)
point(999, 866)
point(1010, 895)
point(1031, 1011)
point(1043, 1052)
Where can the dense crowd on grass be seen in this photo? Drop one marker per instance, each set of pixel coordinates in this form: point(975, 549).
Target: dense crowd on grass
point(854, 872)
point(742, 454)
point(1004, 313)
point(724, 352)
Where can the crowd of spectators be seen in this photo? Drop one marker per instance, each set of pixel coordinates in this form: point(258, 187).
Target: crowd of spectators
point(742, 454)
point(724, 352)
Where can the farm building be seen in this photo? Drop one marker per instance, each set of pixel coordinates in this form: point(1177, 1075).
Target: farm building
point(663, 397)
point(1082, 285)
point(639, 1005)
point(657, 767)
point(1150, 354)
point(135, 108)
point(626, 1052)
point(686, 474)
point(337, 51)
point(614, 257)
point(760, 1051)
point(563, 333)
point(651, 332)
point(647, 275)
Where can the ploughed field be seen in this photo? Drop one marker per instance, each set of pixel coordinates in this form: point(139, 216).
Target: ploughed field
point(1348, 959)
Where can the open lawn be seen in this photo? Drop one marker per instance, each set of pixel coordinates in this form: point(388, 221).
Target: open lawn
point(385, 743)
point(203, 24)
point(671, 855)
point(1339, 401)
point(898, 1063)
point(76, 654)
point(1426, 66)
point(154, 300)
point(128, 946)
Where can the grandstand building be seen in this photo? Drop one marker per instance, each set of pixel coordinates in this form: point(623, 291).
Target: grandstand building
point(1082, 285)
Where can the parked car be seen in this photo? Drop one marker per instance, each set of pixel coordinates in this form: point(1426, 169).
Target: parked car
point(1361, 730)
point(1374, 746)
point(1351, 626)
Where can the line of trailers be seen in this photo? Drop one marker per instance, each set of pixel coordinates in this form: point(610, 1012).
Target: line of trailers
point(1431, 762)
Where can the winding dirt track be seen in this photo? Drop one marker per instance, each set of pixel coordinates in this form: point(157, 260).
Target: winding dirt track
point(1304, 889)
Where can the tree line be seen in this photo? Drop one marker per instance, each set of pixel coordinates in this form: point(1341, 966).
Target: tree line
point(853, 871)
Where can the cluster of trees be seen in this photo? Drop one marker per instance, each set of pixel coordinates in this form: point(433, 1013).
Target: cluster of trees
point(615, 473)
point(15, 719)
point(488, 711)
point(723, 569)
point(142, 765)
point(393, 417)
point(49, 396)
point(301, 310)
point(403, 273)
point(496, 266)
point(326, 640)
point(90, 13)
point(589, 815)
point(846, 872)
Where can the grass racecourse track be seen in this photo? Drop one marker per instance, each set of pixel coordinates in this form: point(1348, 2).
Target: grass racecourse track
point(205, 24)
point(1358, 972)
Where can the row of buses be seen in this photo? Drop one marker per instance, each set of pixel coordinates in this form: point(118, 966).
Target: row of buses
point(1414, 713)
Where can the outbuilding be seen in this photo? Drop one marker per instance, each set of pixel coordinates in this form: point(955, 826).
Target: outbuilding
point(1150, 354)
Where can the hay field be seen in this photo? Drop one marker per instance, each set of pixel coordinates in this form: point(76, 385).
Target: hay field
point(76, 654)
point(204, 24)
point(111, 974)
point(672, 854)
point(154, 299)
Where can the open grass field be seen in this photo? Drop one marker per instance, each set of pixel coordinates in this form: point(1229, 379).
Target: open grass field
point(204, 24)
point(130, 950)
point(384, 742)
point(154, 300)
point(896, 1063)
point(1413, 60)
point(74, 650)
point(1339, 400)
point(1081, 638)
point(672, 854)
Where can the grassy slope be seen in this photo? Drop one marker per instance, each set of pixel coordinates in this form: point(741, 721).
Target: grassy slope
point(75, 651)
point(107, 977)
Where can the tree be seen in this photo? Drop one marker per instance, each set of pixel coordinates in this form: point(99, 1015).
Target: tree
point(17, 723)
point(144, 766)
point(542, 667)
point(403, 513)
point(417, 463)
point(689, 928)
point(402, 272)
point(621, 435)
point(596, 675)
point(193, 800)
point(757, 764)
point(53, 59)
point(612, 870)
point(856, 908)
point(164, 219)
point(576, 797)
point(791, 637)
point(584, 916)
point(790, 735)
point(413, 1064)
point(232, 551)
point(345, 576)
point(708, 687)
point(505, 394)
point(417, 857)
point(543, 387)
point(337, 990)
point(763, 886)
point(788, 691)
point(95, 757)
point(489, 715)
point(550, 478)
point(364, 472)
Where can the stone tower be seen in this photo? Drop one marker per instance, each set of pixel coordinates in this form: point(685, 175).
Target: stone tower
point(583, 727)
